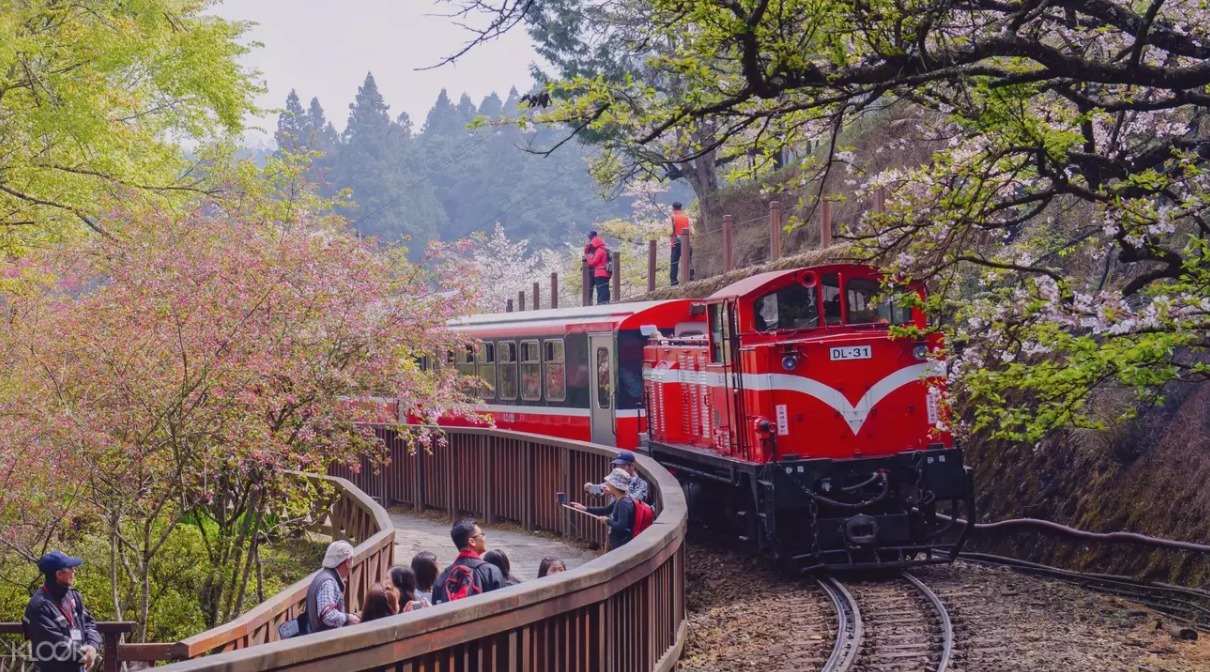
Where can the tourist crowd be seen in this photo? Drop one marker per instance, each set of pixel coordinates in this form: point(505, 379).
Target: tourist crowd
point(475, 570)
point(64, 635)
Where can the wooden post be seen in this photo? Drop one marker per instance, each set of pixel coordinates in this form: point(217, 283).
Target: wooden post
point(728, 233)
point(537, 298)
point(585, 285)
point(616, 290)
point(651, 265)
point(825, 224)
point(880, 199)
point(521, 301)
point(508, 307)
point(554, 290)
point(774, 231)
point(686, 250)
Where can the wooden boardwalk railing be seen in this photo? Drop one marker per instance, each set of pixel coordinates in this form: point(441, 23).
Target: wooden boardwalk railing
point(347, 514)
point(623, 612)
point(344, 513)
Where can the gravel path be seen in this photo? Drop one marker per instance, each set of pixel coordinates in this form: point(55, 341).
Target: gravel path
point(745, 617)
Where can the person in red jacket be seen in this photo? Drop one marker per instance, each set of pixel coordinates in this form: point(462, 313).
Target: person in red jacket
point(596, 255)
point(680, 224)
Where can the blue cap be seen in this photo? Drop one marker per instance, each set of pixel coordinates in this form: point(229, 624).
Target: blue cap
point(56, 560)
point(624, 457)
point(592, 234)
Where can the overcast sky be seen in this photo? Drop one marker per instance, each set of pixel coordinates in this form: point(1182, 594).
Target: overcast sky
point(325, 47)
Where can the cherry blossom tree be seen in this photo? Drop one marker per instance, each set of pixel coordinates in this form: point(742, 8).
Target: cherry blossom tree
point(171, 375)
point(1062, 220)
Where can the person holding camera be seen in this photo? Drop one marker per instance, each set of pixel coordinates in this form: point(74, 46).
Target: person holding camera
point(618, 514)
point(63, 635)
point(637, 488)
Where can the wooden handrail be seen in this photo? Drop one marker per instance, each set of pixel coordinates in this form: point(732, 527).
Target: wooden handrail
point(622, 611)
point(111, 632)
point(372, 558)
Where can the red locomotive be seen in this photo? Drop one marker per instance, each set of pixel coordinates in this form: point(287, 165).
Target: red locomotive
point(795, 421)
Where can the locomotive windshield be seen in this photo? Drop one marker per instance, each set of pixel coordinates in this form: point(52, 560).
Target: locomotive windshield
point(868, 304)
point(797, 306)
point(792, 307)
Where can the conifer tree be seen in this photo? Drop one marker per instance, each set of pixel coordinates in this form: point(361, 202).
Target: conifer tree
point(291, 135)
point(395, 201)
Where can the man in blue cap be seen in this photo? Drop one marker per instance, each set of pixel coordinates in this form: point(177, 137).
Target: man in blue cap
point(637, 489)
point(63, 635)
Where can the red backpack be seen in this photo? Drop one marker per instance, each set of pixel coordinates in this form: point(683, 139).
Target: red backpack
point(462, 582)
point(643, 515)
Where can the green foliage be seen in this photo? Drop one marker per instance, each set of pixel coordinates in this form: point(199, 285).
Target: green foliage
point(93, 96)
point(178, 577)
point(464, 170)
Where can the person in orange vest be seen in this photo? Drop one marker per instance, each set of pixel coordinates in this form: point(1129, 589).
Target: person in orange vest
point(680, 224)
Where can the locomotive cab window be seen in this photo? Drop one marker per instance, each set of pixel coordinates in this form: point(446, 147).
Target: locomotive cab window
point(531, 371)
point(485, 360)
point(830, 285)
point(792, 307)
point(555, 369)
point(868, 304)
point(718, 334)
point(506, 367)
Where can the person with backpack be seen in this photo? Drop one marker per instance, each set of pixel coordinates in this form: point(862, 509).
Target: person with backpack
point(597, 256)
point(469, 574)
point(624, 516)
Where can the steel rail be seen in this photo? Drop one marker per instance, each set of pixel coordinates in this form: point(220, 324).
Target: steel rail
point(1191, 605)
point(947, 626)
point(848, 626)
point(1056, 528)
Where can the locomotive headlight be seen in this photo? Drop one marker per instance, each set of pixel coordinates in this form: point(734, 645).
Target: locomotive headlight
point(921, 352)
point(790, 361)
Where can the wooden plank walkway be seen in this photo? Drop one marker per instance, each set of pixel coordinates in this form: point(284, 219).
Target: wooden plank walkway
point(415, 534)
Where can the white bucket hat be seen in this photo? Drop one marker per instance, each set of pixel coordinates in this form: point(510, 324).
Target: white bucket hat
point(619, 479)
point(338, 552)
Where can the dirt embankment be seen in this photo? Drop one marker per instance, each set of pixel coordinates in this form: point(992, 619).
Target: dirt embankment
point(1148, 476)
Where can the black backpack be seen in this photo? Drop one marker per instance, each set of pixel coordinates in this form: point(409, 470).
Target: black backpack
point(462, 581)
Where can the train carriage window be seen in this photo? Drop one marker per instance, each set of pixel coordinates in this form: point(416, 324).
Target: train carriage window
point(506, 387)
point(486, 367)
point(867, 303)
point(604, 379)
point(464, 362)
point(555, 369)
point(531, 371)
point(830, 284)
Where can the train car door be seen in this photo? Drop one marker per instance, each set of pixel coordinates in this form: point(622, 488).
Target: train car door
point(600, 366)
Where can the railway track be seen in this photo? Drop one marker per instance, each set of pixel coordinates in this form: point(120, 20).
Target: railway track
point(888, 626)
point(1186, 605)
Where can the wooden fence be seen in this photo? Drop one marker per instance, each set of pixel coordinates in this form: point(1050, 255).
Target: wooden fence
point(342, 511)
point(727, 262)
point(623, 611)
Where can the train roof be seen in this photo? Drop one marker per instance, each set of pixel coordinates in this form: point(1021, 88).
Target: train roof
point(612, 312)
point(754, 283)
